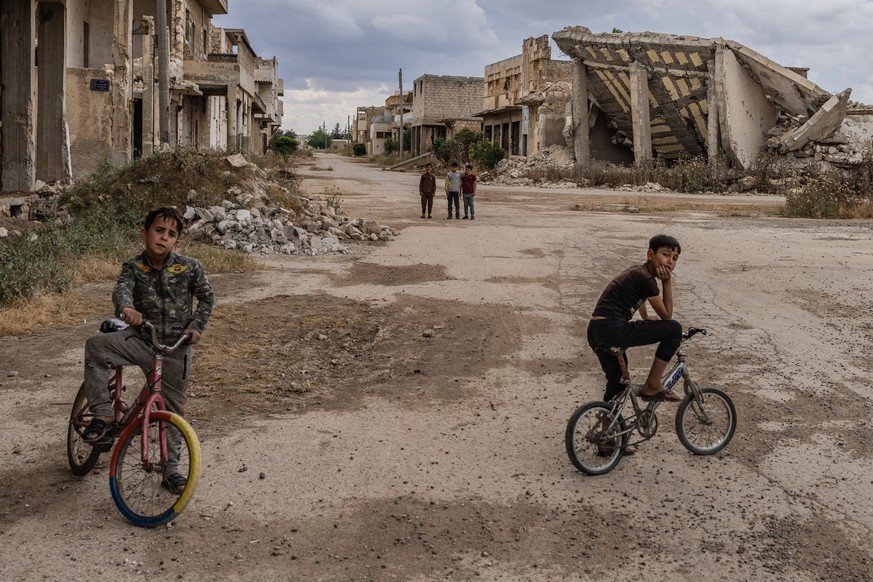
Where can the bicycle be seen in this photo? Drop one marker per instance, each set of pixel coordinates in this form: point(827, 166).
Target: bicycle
point(145, 430)
point(597, 433)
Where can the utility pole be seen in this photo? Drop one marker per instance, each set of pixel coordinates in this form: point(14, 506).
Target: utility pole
point(400, 133)
point(163, 45)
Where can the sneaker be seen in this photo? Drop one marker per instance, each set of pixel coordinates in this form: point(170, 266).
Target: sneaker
point(449, 217)
point(472, 218)
point(429, 216)
point(456, 217)
point(465, 218)
point(422, 215)
point(174, 483)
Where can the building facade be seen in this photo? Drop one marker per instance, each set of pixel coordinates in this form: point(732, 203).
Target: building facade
point(81, 84)
point(441, 106)
point(525, 98)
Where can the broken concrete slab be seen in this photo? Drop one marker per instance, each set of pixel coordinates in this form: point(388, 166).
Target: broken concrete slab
point(820, 126)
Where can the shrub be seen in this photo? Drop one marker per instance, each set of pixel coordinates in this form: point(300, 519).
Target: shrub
point(486, 153)
point(284, 143)
point(822, 194)
point(359, 150)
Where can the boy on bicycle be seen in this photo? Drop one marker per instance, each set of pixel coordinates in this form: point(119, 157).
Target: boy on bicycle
point(611, 325)
point(158, 286)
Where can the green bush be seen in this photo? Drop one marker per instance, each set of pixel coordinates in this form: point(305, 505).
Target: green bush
point(359, 150)
point(284, 143)
point(486, 153)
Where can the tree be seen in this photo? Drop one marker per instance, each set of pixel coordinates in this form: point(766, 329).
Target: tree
point(337, 133)
point(319, 139)
point(284, 143)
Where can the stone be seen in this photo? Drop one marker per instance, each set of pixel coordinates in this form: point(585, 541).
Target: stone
point(237, 161)
point(243, 216)
point(370, 227)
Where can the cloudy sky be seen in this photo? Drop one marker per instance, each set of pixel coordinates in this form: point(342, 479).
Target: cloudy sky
point(336, 55)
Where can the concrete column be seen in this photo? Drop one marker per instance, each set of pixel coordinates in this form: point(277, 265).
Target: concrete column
point(581, 140)
point(17, 139)
point(232, 118)
point(640, 116)
point(149, 95)
point(711, 115)
point(51, 121)
point(121, 150)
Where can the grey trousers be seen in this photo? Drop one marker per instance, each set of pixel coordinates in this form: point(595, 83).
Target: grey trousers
point(126, 348)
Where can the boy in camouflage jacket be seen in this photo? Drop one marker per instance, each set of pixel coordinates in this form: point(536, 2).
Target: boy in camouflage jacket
point(158, 286)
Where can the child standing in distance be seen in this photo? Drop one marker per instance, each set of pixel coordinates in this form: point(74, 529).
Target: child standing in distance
point(158, 286)
point(427, 189)
point(468, 187)
point(611, 323)
point(453, 190)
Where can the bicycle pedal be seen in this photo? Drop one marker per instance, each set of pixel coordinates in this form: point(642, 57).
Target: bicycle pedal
point(104, 445)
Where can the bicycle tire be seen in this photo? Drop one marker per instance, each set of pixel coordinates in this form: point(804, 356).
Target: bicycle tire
point(698, 436)
point(82, 456)
point(138, 492)
point(592, 453)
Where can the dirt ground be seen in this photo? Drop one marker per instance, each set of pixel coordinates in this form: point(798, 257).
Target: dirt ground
point(398, 413)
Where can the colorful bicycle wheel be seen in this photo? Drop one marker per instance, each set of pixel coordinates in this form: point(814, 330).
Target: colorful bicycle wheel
point(144, 483)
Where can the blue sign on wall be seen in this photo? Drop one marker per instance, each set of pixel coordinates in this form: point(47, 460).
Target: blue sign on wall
point(100, 84)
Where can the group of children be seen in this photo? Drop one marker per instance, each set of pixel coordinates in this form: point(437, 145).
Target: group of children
point(456, 184)
point(160, 286)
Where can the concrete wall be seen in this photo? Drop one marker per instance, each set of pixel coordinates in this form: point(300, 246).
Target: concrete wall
point(858, 127)
point(445, 97)
point(503, 83)
point(99, 16)
point(745, 113)
point(90, 112)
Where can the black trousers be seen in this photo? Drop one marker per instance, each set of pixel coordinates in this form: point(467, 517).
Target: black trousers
point(454, 198)
point(667, 333)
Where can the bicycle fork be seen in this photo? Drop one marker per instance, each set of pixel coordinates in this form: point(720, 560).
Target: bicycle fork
point(155, 401)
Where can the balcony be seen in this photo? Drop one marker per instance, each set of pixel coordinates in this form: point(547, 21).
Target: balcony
point(214, 6)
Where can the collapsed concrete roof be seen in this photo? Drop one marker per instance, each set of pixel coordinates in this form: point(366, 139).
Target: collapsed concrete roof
point(750, 90)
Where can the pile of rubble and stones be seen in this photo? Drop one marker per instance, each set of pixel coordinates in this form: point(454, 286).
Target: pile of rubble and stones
point(271, 231)
point(516, 170)
point(245, 221)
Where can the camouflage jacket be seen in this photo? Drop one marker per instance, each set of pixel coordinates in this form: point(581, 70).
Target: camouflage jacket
point(165, 297)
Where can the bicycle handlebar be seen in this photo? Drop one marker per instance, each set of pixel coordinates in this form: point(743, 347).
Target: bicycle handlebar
point(692, 331)
point(158, 346)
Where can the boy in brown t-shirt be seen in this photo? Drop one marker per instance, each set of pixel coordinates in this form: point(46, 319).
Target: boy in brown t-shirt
point(611, 323)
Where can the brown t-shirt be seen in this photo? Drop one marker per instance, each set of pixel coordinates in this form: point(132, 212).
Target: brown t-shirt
point(624, 295)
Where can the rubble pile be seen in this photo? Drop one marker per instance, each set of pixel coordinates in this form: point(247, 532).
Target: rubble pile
point(246, 220)
point(836, 148)
point(271, 231)
point(517, 171)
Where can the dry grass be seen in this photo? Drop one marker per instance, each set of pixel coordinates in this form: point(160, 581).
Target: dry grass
point(49, 311)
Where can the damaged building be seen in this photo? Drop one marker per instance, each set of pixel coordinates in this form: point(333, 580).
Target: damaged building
point(677, 96)
point(525, 98)
point(84, 82)
point(374, 125)
point(442, 105)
